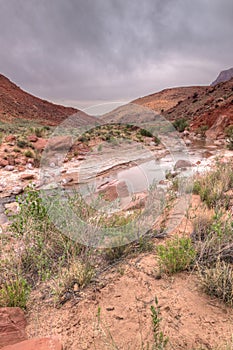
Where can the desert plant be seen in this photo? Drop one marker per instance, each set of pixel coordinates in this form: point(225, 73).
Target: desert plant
point(39, 132)
point(229, 134)
point(99, 149)
point(202, 130)
point(218, 281)
point(176, 255)
point(21, 143)
point(160, 341)
point(180, 124)
point(46, 249)
point(213, 240)
point(29, 154)
point(144, 245)
point(202, 226)
point(115, 253)
point(212, 187)
point(75, 276)
point(146, 133)
point(14, 292)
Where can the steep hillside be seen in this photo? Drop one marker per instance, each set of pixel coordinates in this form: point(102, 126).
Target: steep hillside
point(168, 98)
point(210, 107)
point(17, 104)
point(225, 75)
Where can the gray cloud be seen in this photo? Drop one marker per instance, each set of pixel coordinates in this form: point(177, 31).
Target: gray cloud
point(115, 49)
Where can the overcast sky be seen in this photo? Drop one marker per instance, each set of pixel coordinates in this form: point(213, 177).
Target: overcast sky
point(83, 51)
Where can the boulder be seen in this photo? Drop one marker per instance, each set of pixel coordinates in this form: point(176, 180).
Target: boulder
point(36, 344)
point(112, 190)
point(25, 177)
point(218, 142)
point(32, 138)
point(3, 220)
point(3, 162)
point(17, 190)
point(186, 133)
point(12, 208)
point(30, 166)
point(12, 326)
point(40, 144)
point(138, 203)
point(188, 142)
point(181, 163)
point(206, 154)
point(58, 143)
point(9, 167)
point(218, 127)
point(21, 168)
point(10, 138)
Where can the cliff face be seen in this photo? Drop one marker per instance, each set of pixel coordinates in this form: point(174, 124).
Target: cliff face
point(206, 108)
point(225, 75)
point(17, 104)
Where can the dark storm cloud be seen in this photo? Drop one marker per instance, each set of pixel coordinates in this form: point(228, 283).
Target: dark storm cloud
point(111, 49)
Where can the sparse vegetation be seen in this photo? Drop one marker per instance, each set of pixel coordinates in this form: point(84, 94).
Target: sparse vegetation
point(217, 281)
point(176, 255)
point(213, 186)
point(213, 242)
point(14, 292)
point(46, 252)
point(160, 340)
point(65, 267)
point(72, 278)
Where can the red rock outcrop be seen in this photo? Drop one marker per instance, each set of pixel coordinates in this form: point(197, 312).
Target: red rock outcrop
point(12, 326)
point(36, 344)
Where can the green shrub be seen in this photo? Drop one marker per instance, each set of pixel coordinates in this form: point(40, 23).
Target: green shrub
point(22, 143)
point(145, 133)
point(14, 292)
point(39, 132)
point(29, 154)
point(176, 255)
point(180, 124)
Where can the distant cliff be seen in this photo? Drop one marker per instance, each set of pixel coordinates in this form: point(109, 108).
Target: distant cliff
point(225, 75)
